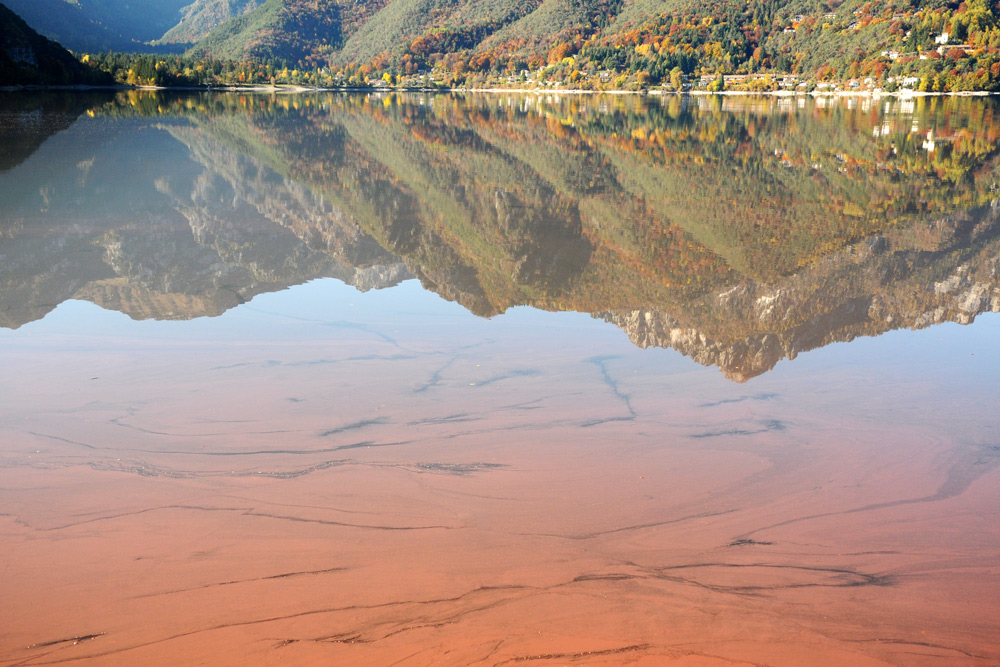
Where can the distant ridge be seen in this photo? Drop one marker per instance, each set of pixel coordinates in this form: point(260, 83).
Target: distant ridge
point(100, 25)
point(288, 29)
point(27, 58)
point(202, 16)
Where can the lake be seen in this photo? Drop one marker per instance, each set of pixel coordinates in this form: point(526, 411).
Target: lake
point(413, 379)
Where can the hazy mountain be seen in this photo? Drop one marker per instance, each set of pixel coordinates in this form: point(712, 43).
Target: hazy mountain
point(200, 17)
point(28, 58)
point(98, 25)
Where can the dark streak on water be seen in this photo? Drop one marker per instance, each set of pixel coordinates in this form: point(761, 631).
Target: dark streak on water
point(607, 379)
point(435, 379)
point(354, 426)
point(507, 376)
point(768, 426)
point(725, 401)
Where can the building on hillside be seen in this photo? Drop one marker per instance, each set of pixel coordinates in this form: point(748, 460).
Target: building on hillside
point(906, 81)
point(965, 48)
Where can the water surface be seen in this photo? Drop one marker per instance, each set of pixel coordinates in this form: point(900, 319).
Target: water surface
point(345, 379)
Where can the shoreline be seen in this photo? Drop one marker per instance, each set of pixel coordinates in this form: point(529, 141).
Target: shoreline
point(743, 93)
point(298, 90)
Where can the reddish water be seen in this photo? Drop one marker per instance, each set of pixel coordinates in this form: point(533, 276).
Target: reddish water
point(492, 496)
point(321, 476)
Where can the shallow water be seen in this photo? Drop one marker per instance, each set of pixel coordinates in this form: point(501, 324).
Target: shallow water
point(498, 380)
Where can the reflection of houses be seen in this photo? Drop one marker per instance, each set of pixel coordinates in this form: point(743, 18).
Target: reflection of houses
point(933, 140)
point(929, 144)
point(883, 130)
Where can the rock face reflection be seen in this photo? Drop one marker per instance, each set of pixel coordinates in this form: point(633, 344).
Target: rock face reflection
point(885, 283)
point(739, 233)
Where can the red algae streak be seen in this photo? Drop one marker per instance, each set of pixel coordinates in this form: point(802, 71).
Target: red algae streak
point(211, 505)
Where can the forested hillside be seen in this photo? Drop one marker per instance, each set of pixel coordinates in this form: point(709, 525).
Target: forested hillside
point(292, 30)
point(202, 16)
point(928, 45)
point(932, 45)
point(27, 58)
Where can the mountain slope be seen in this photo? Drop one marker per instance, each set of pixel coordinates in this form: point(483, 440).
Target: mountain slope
point(288, 29)
point(68, 24)
point(933, 45)
point(28, 58)
point(202, 16)
point(97, 25)
point(453, 25)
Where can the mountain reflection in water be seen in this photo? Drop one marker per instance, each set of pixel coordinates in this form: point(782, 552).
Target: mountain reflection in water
point(738, 231)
